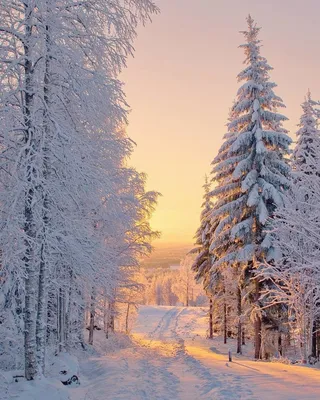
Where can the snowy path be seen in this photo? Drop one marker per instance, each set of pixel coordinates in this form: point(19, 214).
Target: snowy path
point(169, 359)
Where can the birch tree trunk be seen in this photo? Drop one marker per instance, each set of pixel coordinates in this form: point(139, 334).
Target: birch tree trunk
point(92, 315)
point(61, 319)
point(105, 314)
point(69, 314)
point(43, 274)
point(111, 316)
point(29, 228)
point(42, 315)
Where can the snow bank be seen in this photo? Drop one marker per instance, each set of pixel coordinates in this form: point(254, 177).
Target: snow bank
point(40, 389)
point(63, 367)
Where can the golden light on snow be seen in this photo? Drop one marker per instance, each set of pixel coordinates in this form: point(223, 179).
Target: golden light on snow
point(177, 336)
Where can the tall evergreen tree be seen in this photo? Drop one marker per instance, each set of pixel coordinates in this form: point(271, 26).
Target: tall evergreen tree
point(306, 156)
point(296, 233)
point(202, 262)
point(251, 174)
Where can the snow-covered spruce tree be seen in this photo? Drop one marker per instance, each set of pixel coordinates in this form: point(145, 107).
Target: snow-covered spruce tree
point(251, 174)
point(306, 167)
point(295, 237)
point(305, 158)
point(203, 260)
point(59, 97)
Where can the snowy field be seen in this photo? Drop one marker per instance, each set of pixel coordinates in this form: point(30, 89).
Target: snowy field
point(169, 358)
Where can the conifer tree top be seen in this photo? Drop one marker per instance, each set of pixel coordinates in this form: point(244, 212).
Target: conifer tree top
point(251, 36)
point(307, 150)
point(251, 170)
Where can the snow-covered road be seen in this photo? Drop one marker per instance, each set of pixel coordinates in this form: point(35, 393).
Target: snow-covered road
point(169, 359)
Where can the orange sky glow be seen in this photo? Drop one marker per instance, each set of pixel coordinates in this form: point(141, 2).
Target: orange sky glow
point(182, 82)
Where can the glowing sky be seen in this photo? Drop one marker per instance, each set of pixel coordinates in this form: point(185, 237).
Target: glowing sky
point(182, 82)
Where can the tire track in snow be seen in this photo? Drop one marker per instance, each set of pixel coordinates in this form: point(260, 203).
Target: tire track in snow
point(148, 371)
point(164, 323)
point(221, 386)
point(134, 373)
point(148, 376)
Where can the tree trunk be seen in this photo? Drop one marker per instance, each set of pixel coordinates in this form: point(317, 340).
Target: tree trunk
point(243, 337)
point(105, 314)
point(41, 326)
point(81, 321)
point(30, 319)
point(257, 338)
point(92, 314)
point(187, 295)
point(111, 316)
point(61, 319)
point(225, 328)
point(318, 340)
point(239, 312)
point(31, 272)
point(280, 344)
point(257, 324)
point(304, 337)
point(211, 319)
point(42, 301)
point(107, 321)
point(314, 339)
point(70, 313)
point(127, 318)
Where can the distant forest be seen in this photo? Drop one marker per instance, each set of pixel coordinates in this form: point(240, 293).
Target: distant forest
point(166, 255)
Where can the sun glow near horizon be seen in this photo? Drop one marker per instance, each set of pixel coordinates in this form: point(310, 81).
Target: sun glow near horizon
point(182, 83)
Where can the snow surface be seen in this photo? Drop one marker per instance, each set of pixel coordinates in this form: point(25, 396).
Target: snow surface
point(39, 389)
point(169, 358)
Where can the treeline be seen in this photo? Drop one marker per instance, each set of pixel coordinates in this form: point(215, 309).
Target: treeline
point(258, 243)
point(73, 214)
point(172, 287)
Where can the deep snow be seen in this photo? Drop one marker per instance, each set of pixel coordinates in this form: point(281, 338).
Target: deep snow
point(169, 358)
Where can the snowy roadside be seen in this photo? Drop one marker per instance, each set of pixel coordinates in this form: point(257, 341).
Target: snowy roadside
point(168, 357)
point(39, 389)
point(61, 369)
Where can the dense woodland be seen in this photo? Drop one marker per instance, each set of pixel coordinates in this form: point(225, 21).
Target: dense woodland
point(74, 214)
point(258, 243)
